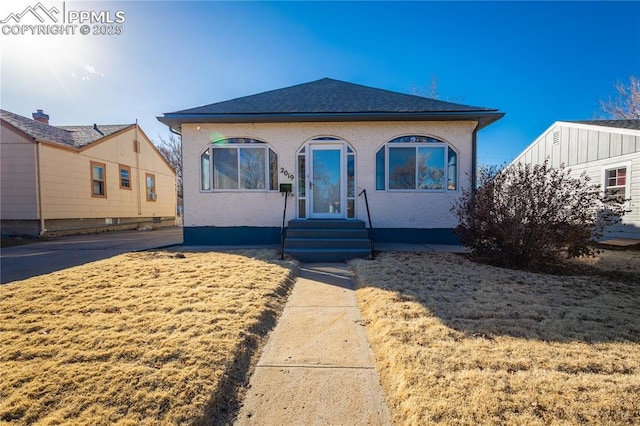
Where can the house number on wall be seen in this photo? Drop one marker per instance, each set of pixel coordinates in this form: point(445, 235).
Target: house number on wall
point(286, 173)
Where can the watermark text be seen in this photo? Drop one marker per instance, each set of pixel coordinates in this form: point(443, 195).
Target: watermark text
point(38, 20)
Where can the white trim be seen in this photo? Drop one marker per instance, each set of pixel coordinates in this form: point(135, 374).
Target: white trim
point(200, 180)
point(320, 146)
point(297, 182)
point(611, 129)
point(542, 135)
point(559, 124)
point(307, 146)
point(355, 181)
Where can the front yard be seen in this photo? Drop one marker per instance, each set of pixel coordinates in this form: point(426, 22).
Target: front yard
point(458, 342)
point(141, 338)
point(166, 337)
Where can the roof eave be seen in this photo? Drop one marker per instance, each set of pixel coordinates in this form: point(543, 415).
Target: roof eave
point(484, 118)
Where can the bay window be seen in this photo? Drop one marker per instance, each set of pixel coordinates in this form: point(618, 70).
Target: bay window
point(238, 164)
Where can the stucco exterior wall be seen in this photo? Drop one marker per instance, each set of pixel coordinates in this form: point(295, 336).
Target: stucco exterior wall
point(593, 150)
point(66, 180)
point(264, 209)
point(17, 176)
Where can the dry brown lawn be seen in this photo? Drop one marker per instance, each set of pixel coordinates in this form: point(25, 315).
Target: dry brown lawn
point(142, 338)
point(457, 342)
point(626, 262)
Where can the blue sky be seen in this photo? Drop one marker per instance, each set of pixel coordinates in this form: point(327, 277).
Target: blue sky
point(537, 61)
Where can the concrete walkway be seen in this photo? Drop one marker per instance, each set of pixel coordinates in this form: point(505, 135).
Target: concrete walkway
point(317, 367)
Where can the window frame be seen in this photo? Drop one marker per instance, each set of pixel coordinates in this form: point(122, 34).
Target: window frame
point(208, 179)
point(154, 187)
point(383, 155)
point(627, 178)
point(270, 156)
point(122, 167)
point(93, 164)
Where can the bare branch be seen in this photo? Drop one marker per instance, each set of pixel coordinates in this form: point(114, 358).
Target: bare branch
point(430, 91)
point(626, 105)
point(171, 150)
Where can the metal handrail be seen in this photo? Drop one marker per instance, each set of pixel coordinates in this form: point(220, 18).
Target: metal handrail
point(366, 203)
point(283, 230)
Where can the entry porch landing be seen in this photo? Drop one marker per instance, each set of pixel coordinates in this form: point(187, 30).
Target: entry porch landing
point(327, 240)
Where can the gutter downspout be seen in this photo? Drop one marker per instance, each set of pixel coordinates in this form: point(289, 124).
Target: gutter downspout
point(175, 132)
point(39, 185)
point(136, 143)
point(474, 158)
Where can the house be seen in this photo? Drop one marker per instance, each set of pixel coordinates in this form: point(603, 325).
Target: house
point(326, 141)
point(607, 150)
point(73, 179)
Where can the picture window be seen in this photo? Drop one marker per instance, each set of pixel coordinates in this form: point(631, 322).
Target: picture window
point(416, 163)
point(239, 164)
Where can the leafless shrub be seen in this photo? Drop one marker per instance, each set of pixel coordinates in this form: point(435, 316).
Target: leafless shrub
point(530, 215)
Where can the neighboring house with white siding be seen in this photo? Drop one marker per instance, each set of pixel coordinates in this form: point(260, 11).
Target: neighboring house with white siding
point(326, 141)
point(72, 179)
point(607, 150)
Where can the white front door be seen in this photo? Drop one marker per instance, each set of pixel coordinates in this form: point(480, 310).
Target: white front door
point(326, 181)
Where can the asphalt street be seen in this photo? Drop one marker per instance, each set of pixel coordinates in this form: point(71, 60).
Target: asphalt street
point(54, 254)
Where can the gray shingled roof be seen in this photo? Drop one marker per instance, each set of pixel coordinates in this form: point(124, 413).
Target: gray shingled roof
point(73, 136)
point(329, 96)
point(325, 99)
point(85, 135)
point(622, 124)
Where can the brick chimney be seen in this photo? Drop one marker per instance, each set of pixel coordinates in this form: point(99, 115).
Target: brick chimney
point(40, 116)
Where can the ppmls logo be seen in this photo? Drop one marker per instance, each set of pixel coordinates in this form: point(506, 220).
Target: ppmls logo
point(16, 18)
point(40, 20)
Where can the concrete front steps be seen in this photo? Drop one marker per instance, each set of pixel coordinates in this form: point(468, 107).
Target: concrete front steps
point(327, 240)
